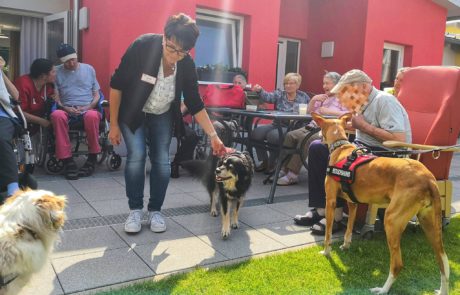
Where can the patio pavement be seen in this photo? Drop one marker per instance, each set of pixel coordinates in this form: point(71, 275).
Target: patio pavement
point(96, 254)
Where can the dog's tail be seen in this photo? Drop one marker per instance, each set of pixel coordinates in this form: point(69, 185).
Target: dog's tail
point(199, 169)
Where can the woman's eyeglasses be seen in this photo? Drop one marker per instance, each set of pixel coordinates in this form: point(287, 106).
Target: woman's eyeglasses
point(173, 49)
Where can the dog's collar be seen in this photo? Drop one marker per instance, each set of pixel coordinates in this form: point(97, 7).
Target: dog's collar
point(5, 280)
point(337, 144)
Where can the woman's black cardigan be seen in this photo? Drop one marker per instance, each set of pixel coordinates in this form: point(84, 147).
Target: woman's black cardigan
point(143, 57)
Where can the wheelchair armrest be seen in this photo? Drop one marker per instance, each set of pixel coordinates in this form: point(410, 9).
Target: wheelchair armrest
point(105, 103)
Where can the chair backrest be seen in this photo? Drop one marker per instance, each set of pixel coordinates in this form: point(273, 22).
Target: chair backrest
point(431, 97)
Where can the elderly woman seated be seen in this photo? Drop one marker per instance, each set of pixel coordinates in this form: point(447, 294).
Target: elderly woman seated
point(286, 100)
point(324, 104)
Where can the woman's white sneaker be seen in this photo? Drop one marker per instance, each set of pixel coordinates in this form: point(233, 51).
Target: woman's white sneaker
point(157, 222)
point(133, 222)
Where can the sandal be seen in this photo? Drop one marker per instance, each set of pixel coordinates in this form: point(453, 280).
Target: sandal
point(71, 171)
point(87, 169)
point(336, 226)
point(305, 220)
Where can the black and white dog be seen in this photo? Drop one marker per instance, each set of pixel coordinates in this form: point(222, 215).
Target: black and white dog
point(228, 178)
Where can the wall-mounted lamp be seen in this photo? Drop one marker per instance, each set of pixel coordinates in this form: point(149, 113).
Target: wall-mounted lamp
point(83, 18)
point(327, 49)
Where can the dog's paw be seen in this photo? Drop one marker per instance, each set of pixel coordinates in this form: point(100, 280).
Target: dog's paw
point(325, 252)
point(225, 233)
point(345, 247)
point(214, 213)
point(378, 291)
point(235, 225)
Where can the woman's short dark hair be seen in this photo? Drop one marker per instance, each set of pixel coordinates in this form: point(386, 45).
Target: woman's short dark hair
point(40, 66)
point(184, 29)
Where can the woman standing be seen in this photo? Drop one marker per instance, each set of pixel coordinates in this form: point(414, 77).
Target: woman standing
point(286, 100)
point(145, 98)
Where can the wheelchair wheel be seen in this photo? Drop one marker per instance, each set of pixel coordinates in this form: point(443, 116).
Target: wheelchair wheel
point(54, 166)
point(113, 162)
point(308, 139)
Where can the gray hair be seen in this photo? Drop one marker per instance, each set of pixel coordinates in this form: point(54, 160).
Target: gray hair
point(334, 76)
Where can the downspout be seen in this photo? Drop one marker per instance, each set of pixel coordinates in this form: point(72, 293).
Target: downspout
point(75, 31)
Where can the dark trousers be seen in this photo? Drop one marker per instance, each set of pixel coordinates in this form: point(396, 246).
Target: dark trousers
point(187, 146)
point(8, 166)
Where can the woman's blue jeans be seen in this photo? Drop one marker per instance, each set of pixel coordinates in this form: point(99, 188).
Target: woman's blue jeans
point(156, 134)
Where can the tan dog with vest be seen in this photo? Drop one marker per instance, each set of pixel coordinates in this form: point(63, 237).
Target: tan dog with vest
point(405, 184)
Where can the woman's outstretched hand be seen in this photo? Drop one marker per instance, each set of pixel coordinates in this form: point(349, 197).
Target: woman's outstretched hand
point(218, 148)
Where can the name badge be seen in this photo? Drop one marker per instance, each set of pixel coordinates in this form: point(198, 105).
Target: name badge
point(149, 79)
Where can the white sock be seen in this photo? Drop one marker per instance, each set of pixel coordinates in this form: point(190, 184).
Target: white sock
point(338, 215)
point(321, 211)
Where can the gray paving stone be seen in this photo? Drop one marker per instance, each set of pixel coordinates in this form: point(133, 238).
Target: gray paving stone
point(202, 196)
point(91, 183)
point(290, 208)
point(173, 255)
point(289, 234)
point(104, 193)
point(111, 207)
point(43, 282)
point(62, 188)
point(258, 215)
point(201, 224)
point(242, 242)
point(75, 242)
point(80, 210)
point(180, 200)
point(174, 232)
point(98, 269)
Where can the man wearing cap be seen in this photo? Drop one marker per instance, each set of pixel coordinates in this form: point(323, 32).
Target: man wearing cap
point(77, 98)
point(378, 116)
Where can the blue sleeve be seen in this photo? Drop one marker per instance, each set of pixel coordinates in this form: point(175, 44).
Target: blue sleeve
point(271, 97)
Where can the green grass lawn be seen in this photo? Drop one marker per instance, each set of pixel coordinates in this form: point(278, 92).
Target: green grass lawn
point(305, 271)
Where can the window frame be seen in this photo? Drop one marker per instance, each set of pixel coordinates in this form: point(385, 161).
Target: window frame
point(237, 31)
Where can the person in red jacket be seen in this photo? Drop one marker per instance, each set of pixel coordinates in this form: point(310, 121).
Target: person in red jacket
point(34, 88)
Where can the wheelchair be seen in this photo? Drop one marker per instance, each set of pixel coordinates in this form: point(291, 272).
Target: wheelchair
point(77, 136)
point(25, 156)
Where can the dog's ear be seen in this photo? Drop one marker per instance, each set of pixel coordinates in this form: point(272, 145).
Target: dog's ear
point(318, 119)
point(345, 118)
point(51, 202)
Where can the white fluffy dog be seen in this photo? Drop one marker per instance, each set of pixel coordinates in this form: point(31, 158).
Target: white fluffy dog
point(30, 222)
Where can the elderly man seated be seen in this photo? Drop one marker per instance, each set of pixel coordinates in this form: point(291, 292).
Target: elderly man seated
point(77, 96)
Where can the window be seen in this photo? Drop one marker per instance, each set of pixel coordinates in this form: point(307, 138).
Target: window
point(220, 41)
point(393, 56)
point(288, 59)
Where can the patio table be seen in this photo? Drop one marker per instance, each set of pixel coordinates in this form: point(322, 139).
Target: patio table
point(244, 138)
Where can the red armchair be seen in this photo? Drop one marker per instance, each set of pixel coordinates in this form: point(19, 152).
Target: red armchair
point(431, 97)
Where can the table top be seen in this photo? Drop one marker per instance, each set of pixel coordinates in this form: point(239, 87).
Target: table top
point(266, 114)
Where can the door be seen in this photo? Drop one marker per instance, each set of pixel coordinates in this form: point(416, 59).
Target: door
point(288, 59)
point(393, 56)
point(56, 32)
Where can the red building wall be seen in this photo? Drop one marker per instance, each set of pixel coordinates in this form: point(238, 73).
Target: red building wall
point(419, 26)
point(294, 24)
point(343, 22)
point(359, 29)
point(114, 25)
